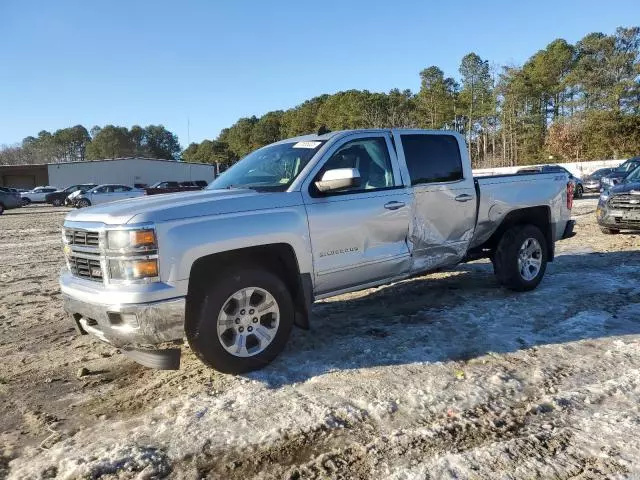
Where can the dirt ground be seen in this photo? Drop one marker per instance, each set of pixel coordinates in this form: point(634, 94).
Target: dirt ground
point(442, 376)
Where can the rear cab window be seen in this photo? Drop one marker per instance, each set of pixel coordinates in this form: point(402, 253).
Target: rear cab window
point(432, 158)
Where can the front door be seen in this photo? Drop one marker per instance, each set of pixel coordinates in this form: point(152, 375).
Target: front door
point(359, 234)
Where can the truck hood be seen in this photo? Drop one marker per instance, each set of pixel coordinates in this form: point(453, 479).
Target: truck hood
point(173, 206)
point(631, 187)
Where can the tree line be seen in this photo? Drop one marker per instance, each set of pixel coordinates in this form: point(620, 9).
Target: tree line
point(567, 102)
point(76, 144)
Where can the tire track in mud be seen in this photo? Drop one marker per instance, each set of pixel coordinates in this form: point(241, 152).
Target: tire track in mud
point(533, 431)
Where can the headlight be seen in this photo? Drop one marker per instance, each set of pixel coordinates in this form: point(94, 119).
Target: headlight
point(135, 240)
point(133, 269)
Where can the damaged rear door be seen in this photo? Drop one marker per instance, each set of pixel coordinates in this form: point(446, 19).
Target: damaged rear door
point(443, 213)
point(358, 234)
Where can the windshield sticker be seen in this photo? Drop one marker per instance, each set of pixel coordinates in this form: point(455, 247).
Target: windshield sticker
point(306, 144)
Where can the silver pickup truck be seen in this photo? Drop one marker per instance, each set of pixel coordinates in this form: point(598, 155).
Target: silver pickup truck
point(232, 268)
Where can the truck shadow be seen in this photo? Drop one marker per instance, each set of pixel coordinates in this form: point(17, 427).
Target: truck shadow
point(463, 314)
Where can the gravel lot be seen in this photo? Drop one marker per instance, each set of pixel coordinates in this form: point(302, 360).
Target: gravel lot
point(443, 376)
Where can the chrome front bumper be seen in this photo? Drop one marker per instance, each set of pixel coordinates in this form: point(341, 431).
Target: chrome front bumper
point(129, 325)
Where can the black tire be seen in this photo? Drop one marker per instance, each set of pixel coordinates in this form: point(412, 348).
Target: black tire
point(202, 319)
point(505, 261)
point(579, 192)
point(57, 202)
point(83, 203)
point(25, 201)
point(609, 231)
point(1, 209)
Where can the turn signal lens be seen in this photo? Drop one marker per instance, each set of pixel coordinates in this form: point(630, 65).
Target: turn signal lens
point(141, 238)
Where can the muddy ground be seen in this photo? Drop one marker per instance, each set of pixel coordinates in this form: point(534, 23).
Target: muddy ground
point(443, 376)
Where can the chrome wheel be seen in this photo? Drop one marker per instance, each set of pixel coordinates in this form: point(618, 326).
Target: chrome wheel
point(529, 259)
point(248, 322)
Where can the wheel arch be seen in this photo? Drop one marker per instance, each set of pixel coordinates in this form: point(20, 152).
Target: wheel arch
point(539, 216)
point(278, 258)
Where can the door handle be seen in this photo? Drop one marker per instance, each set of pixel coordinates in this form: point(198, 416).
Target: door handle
point(464, 198)
point(393, 205)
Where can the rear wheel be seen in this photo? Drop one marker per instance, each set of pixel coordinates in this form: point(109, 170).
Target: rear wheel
point(609, 231)
point(1, 209)
point(83, 203)
point(520, 260)
point(57, 202)
point(240, 322)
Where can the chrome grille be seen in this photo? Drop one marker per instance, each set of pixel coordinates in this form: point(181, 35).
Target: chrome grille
point(83, 267)
point(625, 202)
point(82, 238)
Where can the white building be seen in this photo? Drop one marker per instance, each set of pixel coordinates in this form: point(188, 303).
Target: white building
point(128, 171)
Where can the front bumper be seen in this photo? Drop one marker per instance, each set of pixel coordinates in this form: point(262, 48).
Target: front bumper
point(617, 219)
point(129, 325)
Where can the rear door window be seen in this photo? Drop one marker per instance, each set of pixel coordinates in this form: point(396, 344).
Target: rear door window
point(432, 158)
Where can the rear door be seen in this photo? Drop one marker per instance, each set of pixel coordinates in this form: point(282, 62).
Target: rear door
point(444, 197)
point(358, 235)
point(99, 195)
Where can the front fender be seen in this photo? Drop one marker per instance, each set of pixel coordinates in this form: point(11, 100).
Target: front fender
point(183, 242)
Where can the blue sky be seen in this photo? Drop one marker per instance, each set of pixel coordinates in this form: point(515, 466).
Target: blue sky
point(71, 62)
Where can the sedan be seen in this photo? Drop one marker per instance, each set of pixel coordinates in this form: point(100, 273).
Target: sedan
point(591, 183)
point(107, 193)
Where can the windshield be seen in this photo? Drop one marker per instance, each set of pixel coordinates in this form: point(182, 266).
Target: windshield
point(272, 168)
point(634, 176)
point(627, 166)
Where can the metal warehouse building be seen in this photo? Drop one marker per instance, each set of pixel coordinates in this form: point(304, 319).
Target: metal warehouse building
point(128, 171)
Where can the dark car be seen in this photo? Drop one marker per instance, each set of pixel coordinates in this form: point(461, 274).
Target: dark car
point(619, 206)
point(578, 188)
point(173, 187)
point(57, 198)
point(591, 182)
point(618, 174)
point(9, 199)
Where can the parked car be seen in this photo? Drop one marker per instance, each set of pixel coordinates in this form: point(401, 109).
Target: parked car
point(173, 187)
point(618, 174)
point(619, 206)
point(58, 197)
point(105, 194)
point(578, 187)
point(233, 267)
point(9, 199)
point(37, 195)
point(72, 198)
point(591, 182)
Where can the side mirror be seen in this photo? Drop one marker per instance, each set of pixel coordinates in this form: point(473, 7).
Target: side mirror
point(338, 179)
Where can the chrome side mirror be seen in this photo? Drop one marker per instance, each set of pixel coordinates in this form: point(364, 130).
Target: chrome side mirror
point(338, 179)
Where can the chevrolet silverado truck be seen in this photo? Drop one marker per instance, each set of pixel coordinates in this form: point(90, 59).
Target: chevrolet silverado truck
point(233, 268)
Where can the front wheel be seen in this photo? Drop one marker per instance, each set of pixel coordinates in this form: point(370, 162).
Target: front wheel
point(521, 258)
point(609, 231)
point(241, 321)
point(83, 203)
point(1, 209)
point(25, 202)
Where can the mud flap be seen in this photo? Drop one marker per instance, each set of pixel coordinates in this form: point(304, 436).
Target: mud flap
point(165, 359)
